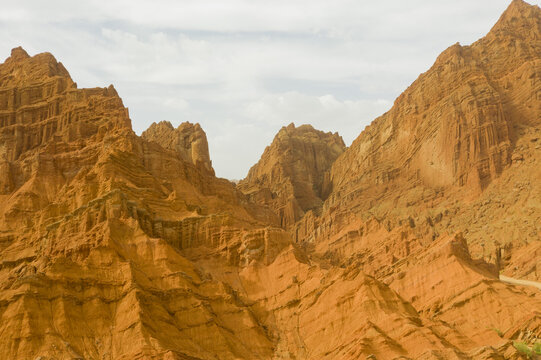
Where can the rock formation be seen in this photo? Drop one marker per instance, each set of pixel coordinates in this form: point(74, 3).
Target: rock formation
point(92, 221)
point(115, 246)
point(442, 151)
point(188, 140)
point(454, 125)
point(292, 176)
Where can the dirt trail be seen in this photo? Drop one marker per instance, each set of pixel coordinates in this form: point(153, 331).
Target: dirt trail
point(520, 282)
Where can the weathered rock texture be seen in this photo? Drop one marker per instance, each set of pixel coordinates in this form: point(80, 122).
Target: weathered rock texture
point(454, 124)
point(115, 246)
point(292, 176)
point(92, 223)
point(188, 140)
point(455, 142)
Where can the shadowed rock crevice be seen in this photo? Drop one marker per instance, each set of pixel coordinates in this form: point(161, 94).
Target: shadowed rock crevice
point(292, 176)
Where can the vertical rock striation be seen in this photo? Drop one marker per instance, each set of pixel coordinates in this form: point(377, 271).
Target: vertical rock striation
point(188, 140)
point(115, 246)
point(292, 176)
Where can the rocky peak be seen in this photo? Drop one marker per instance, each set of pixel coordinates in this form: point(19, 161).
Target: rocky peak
point(292, 175)
point(18, 54)
point(40, 107)
point(519, 20)
point(22, 70)
point(188, 140)
point(518, 9)
point(453, 125)
point(160, 259)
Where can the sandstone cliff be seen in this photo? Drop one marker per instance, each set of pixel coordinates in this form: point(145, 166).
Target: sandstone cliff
point(92, 220)
point(460, 135)
point(115, 246)
point(454, 125)
point(188, 140)
point(292, 176)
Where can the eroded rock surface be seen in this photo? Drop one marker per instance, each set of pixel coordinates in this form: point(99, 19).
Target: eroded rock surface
point(292, 176)
point(458, 151)
point(115, 246)
point(93, 220)
point(188, 140)
point(454, 124)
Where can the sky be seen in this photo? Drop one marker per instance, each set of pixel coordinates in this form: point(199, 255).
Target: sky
point(245, 68)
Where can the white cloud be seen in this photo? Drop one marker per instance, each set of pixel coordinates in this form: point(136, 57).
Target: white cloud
point(176, 103)
point(241, 139)
point(323, 112)
point(244, 68)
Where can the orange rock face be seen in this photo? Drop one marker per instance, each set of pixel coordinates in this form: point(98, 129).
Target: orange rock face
point(442, 152)
point(92, 223)
point(115, 246)
point(292, 176)
point(454, 125)
point(188, 140)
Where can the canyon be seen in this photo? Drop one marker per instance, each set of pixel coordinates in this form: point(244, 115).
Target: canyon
point(421, 240)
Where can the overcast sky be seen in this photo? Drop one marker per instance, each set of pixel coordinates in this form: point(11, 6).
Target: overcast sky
point(245, 68)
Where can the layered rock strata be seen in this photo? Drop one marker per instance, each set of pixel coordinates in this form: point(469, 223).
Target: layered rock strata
point(292, 176)
point(452, 144)
point(188, 140)
point(115, 246)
